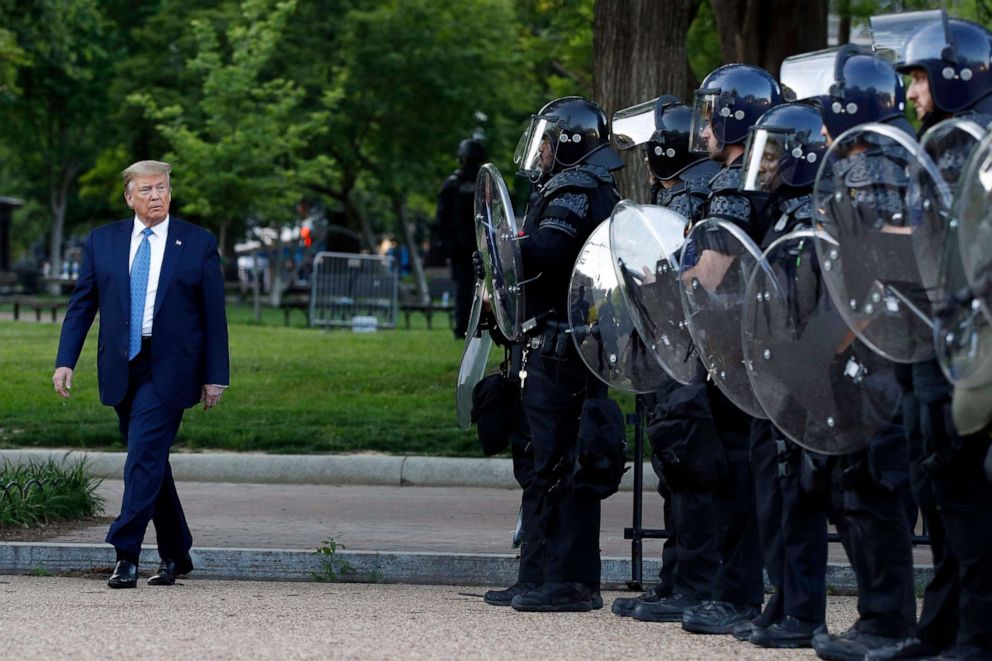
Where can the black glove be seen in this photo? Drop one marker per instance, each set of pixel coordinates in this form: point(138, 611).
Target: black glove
point(477, 267)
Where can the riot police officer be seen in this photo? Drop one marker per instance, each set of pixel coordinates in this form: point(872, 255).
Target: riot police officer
point(872, 509)
point(948, 62)
point(568, 157)
point(784, 151)
point(729, 101)
point(456, 219)
point(690, 557)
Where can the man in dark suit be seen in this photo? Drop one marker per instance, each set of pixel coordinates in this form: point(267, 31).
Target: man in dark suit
point(157, 284)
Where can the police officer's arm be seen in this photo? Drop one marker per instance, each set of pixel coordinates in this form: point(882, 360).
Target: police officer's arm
point(554, 241)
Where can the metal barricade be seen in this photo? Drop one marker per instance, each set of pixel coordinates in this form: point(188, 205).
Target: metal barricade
point(347, 288)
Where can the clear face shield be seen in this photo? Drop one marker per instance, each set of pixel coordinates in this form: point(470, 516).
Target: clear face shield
point(635, 125)
point(764, 155)
point(889, 31)
point(810, 75)
point(535, 153)
point(706, 127)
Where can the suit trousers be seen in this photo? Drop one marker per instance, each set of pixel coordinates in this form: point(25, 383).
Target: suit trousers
point(148, 428)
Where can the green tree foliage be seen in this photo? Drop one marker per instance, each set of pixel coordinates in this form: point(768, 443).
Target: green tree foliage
point(238, 154)
point(51, 125)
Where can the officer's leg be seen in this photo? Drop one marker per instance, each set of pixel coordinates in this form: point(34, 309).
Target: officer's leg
point(552, 402)
point(669, 549)
point(964, 496)
point(529, 572)
point(768, 504)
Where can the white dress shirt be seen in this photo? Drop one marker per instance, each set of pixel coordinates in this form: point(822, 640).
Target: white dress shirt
point(156, 240)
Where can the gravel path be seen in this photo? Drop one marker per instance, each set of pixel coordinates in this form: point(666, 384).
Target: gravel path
point(79, 618)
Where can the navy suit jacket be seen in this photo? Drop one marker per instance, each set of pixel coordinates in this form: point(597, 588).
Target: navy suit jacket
point(189, 327)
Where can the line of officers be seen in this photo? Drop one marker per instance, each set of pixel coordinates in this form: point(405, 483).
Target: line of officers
point(746, 499)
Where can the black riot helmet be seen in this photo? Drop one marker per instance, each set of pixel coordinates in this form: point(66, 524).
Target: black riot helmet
point(955, 55)
point(668, 150)
point(784, 148)
point(866, 89)
point(471, 153)
point(661, 126)
point(567, 132)
point(730, 100)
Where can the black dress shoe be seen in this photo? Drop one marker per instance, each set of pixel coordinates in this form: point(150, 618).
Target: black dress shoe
point(125, 575)
point(787, 633)
point(168, 570)
point(504, 597)
point(669, 609)
point(717, 617)
point(555, 598)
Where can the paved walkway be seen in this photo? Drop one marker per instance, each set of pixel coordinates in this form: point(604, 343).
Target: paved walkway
point(374, 518)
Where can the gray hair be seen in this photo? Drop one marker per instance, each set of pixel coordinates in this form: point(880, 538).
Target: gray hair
point(144, 169)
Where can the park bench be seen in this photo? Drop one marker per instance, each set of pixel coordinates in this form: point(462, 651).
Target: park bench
point(38, 305)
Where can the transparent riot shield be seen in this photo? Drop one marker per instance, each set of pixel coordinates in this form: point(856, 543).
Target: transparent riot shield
point(603, 326)
point(475, 357)
point(973, 201)
point(646, 241)
point(960, 328)
point(880, 267)
point(717, 260)
point(815, 380)
point(497, 235)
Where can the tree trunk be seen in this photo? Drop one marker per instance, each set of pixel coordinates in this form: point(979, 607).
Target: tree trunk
point(639, 53)
point(844, 23)
point(399, 205)
point(58, 202)
point(747, 34)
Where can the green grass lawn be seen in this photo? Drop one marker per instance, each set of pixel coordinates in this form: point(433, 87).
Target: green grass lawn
point(293, 390)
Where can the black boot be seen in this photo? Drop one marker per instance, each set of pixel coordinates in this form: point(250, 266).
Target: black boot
point(787, 633)
point(504, 597)
point(555, 598)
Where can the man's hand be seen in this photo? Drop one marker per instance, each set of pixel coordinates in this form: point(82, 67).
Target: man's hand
point(210, 396)
point(62, 380)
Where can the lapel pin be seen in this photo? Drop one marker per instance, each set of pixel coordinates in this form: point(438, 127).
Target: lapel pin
point(178, 242)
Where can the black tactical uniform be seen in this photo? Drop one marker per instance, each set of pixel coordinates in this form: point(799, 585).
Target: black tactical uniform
point(792, 518)
point(690, 556)
point(739, 580)
point(948, 482)
point(874, 514)
point(562, 212)
point(456, 218)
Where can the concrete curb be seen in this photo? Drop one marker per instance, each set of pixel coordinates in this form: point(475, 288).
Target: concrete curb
point(349, 566)
point(339, 469)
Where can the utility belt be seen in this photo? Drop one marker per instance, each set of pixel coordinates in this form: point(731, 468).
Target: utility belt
point(550, 338)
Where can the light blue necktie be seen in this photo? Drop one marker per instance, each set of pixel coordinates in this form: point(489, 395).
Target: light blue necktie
point(139, 287)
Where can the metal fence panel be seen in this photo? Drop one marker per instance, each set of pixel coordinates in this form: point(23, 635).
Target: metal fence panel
point(344, 286)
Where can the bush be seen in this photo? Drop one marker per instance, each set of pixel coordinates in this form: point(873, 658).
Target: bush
point(32, 494)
